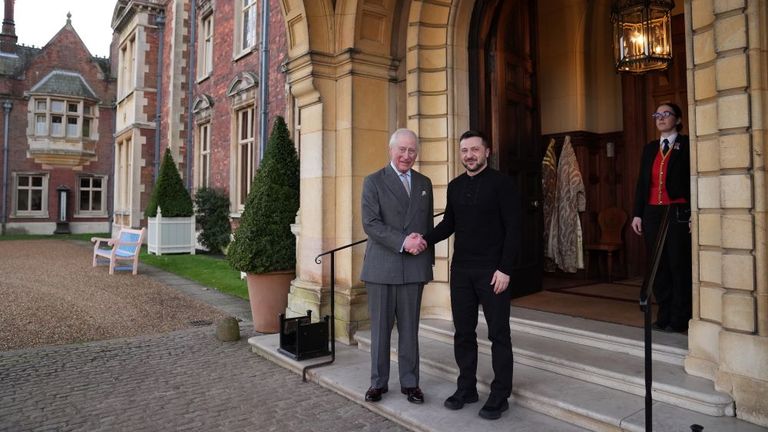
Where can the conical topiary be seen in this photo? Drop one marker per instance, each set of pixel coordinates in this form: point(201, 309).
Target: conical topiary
point(169, 193)
point(263, 242)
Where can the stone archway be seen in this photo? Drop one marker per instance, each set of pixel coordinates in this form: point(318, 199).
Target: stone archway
point(340, 60)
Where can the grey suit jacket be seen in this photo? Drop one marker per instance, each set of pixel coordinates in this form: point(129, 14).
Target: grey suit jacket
point(389, 215)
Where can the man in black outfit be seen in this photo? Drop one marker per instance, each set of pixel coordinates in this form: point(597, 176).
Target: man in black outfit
point(483, 211)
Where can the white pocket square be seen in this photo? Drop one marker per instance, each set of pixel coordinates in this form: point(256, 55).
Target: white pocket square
point(423, 193)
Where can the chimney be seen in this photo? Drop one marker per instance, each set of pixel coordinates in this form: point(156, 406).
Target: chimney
point(8, 36)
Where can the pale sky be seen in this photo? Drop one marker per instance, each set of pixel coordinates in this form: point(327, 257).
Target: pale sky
point(37, 21)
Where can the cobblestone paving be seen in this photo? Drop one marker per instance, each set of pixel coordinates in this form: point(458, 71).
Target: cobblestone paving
point(184, 380)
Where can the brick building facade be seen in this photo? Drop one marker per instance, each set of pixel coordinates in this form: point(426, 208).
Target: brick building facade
point(58, 113)
point(210, 66)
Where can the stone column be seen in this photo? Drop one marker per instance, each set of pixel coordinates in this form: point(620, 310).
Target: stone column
point(313, 137)
point(728, 341)
point(429, 77)
point(344, 129)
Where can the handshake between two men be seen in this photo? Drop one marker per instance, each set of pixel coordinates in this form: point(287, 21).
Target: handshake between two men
point(414, 244)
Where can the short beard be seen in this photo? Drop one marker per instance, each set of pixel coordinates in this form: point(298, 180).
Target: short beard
point(477, 168)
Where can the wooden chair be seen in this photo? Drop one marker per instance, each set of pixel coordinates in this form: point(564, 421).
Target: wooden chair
point(126, 247)
point(611, 222)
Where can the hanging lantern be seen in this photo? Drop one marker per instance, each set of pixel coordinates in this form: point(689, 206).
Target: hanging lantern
point(642, 34)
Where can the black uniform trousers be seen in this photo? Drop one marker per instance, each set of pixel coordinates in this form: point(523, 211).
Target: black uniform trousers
point(672, 287)
point(470, 288)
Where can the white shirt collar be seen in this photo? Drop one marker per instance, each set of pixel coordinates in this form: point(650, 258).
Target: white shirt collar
point(671, 138)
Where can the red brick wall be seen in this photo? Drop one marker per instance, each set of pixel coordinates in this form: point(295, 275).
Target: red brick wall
point(225, 70)
point(65, 51)
point(167, 73)
point(278, 54)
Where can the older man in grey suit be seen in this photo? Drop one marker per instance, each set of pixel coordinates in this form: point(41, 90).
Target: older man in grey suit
point(396, 202)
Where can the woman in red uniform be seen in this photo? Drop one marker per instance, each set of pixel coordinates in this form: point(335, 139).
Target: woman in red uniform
point(664, 180)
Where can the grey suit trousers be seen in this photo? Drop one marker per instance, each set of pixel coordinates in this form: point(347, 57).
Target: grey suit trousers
point(383, 301)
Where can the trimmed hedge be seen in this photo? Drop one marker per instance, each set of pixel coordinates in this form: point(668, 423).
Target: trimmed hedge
point(213, 217)
point(263, 242)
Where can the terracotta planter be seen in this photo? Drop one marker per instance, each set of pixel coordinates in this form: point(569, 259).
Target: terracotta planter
point(268, 294)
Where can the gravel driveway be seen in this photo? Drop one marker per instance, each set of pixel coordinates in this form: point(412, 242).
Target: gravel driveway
point(50, 295)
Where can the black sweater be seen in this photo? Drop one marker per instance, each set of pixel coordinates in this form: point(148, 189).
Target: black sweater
point(483, 211)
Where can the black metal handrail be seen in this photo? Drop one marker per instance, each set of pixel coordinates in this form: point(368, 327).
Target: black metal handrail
point(645, 305)
point(318, 260)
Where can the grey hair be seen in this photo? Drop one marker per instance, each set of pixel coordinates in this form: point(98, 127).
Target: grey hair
point(403, 131)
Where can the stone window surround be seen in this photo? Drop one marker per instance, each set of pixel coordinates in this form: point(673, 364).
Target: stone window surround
point(127, 72)
point(123, 174)
point(245, 168)
point(205, 45)
point(202, 109)
point(43, 212)
point(238, 50)
point(102, 190)
point(202, 168)
point(80, 115)
point(242, 91)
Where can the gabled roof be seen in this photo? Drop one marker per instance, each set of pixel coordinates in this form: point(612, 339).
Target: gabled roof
point(64, 83)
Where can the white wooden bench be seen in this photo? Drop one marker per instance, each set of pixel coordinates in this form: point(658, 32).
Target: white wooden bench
point(126, 247)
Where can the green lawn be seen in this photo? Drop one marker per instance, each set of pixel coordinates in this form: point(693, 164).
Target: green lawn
point(208, 270)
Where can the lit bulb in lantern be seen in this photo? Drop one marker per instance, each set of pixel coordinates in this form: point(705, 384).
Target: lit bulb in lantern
point(637, 40)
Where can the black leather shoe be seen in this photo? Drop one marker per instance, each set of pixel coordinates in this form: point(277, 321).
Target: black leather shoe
point(493, 408)
point(677, 329)
point(414, 394)
point(659, 327)
point(374, 394)
point(458, 399)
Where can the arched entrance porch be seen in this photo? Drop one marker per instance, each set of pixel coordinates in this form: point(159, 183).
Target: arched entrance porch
point(349, 89)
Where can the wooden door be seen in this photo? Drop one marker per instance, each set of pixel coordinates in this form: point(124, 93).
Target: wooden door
point(641, 94)
point(504, 106)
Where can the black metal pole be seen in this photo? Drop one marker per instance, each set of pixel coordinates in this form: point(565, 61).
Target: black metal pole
point(645, 306)
point(7, 106)
point(332, 320)
point(333, 306)
point(648, 369)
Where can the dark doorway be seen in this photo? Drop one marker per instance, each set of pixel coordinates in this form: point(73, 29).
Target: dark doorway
point(504, 105)
point(641, 94)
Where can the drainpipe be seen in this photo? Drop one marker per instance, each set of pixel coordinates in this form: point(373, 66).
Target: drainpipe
point(264, 78)
point(160, 23)
point(7, 105)
point(190, 91)
point(111, 195)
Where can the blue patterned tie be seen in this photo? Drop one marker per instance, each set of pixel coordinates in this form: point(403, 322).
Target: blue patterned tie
point(404, 179)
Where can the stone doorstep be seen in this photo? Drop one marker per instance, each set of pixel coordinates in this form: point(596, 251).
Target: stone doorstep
point(615, 370)
point(349, 376)
point(667, 347)
point(579, 402)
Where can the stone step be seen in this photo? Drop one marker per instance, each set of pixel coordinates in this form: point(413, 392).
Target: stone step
point(349, 376)
point(587, 404)
point(615, 370)
point(667, 347)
